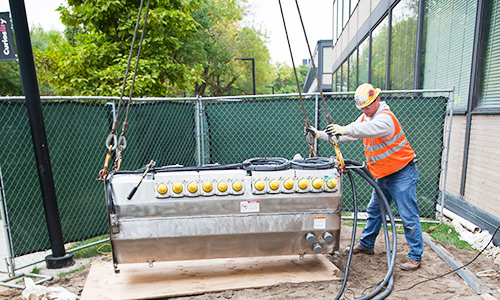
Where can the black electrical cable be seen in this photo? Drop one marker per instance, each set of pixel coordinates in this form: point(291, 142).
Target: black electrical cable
point(353, 236)
point(388, 279)
point(454, 270)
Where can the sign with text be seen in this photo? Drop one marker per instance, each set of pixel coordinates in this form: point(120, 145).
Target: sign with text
point(6, 44)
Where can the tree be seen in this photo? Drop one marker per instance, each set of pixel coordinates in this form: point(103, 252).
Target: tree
point(10, 77)
point(284, 78)
point(218, 40)
point(93, 59)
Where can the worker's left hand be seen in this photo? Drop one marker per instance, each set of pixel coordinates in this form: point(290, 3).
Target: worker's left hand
point(335, 129)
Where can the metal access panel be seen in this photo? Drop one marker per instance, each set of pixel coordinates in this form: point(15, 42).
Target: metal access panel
point(203, 214)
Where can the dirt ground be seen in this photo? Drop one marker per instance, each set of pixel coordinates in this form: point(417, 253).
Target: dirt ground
point(368, 270)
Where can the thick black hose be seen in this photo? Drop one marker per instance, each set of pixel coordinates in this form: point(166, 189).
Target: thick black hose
point(353, 236)
point(363, 172)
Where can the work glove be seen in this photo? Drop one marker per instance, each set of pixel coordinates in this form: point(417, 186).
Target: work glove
point(335, 129)
point(311, 129)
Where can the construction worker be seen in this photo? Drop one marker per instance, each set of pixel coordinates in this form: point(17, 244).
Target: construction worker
point(391, 160)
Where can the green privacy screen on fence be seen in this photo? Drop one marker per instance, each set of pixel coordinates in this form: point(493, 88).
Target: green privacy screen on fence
point(76, 132)
point(274, 127)
point(187, 132)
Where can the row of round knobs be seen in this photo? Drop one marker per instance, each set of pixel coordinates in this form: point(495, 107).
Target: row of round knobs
point(193, 187)
point(288, 184)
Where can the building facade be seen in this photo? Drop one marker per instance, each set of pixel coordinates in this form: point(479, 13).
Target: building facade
point(323, 62)
point(434, 44)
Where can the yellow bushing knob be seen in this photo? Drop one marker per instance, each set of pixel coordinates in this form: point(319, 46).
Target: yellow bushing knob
point(162, 189)
point(207, 186)
point(193, 187)
point(331, 184)
point(274, 184)
point(259, 185)
point(303, 184)
point(222, 186)
point(317, 183)
point(237, 186)
point(288, 184)
point(177, 188)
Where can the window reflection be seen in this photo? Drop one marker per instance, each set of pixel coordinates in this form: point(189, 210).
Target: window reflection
point(363, 61)
point(379, 54)
point(344, 77)
point(353, 68)
point(403, 44)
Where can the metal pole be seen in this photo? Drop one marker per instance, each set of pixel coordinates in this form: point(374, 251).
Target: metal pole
point(59, 257)
point(253, 75)
point(447, 154)
point(10, 261)
point(198, 131)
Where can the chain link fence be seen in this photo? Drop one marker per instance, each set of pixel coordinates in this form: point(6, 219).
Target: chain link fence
point(186, 131)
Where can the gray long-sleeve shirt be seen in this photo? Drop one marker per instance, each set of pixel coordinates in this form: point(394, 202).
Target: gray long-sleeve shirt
point(380, 125)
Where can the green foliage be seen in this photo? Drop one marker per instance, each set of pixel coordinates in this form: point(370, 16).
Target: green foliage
point(446, 234)
point(218, 40)
point(91, 251)
point(284, 78)
point(80, 268)
point(10, 79)
point(93, 58)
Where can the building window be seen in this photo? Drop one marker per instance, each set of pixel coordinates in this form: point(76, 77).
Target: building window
point(363, 61)
point(353, 71)
point(449, 38)
point(379, 54)
point(346, 12)
point(334, 82)
point(403, 45)
point(335, 27)
point(339, 17)
point(343, 84)
point(354, 3)
point(339, 87)
point(490, 90)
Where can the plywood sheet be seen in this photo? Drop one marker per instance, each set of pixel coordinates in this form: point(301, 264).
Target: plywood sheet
point(167, 279)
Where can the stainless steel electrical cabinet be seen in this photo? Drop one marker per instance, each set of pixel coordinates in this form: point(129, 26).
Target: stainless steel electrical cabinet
point(186, 213)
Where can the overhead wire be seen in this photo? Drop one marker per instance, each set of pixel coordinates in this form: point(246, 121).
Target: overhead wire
point(331, 139)
point(112, 142)
point(309, 135)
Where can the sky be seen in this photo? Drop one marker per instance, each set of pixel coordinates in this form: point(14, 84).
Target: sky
point(263, 14)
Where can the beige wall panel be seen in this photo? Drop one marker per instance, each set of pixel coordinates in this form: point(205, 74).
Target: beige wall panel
point(483, 168)
point(455, 156)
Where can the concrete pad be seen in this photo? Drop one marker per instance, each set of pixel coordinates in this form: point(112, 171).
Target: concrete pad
point(180, 278)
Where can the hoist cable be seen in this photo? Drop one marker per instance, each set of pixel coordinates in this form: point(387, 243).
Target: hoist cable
point(111, 141)
point(338, 154)
point(309, 135)
point(114, 128)
point(328, 118)
point(123, 134)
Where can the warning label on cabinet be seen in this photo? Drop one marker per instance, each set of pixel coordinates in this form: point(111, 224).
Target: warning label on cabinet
point(319, 222)
point(249, 206)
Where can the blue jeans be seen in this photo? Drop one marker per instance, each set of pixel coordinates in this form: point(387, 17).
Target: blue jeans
point(400, 187)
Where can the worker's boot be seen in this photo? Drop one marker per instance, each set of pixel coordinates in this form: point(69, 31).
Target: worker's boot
point(360, 249)
point(411, 265)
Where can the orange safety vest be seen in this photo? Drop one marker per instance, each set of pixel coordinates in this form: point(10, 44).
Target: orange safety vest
point(387, 156)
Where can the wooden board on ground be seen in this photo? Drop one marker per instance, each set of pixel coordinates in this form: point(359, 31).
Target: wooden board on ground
point(180, 278)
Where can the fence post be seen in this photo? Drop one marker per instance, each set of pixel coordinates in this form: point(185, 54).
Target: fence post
point(446, 154)
point(59, 257)
point(9, 261)
point(316, 121)
point(198, 130)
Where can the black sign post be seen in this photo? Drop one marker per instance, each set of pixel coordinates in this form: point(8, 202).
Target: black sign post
point(59, 257)
point(6, 43)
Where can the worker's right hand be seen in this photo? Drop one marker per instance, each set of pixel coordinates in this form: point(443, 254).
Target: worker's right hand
point(312, 130)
